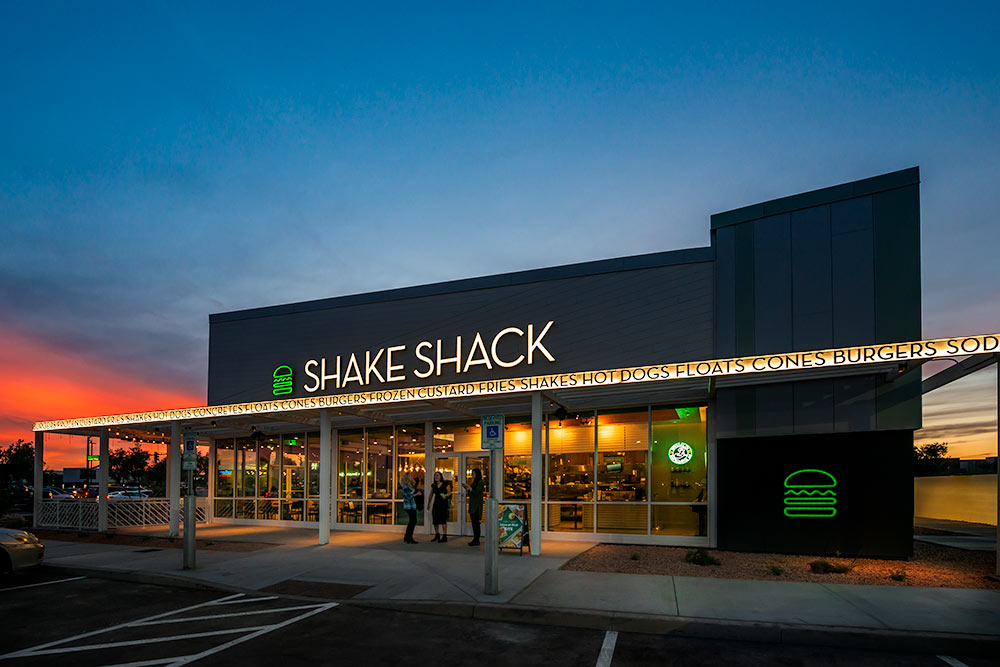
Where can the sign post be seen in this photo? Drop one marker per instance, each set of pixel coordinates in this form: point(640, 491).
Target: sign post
point(492, 427)
point(189, 463)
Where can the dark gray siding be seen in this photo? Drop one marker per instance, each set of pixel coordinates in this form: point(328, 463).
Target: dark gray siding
point(834, 268)
point(604, 320)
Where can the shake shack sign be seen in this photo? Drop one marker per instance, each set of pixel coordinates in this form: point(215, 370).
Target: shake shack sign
point(515, 346)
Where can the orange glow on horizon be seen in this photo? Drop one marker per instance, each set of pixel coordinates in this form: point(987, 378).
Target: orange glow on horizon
point(50, 383)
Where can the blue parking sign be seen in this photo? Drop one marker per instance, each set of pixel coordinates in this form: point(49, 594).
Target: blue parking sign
point(492, 430)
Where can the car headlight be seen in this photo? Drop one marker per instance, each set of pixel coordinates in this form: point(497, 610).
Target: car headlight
point(26, 538)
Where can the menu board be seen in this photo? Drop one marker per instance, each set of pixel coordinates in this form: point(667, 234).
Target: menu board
point(511, 526)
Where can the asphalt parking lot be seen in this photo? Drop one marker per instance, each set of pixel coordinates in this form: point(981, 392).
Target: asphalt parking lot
point(53, 618)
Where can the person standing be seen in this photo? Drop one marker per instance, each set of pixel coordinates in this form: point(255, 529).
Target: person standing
point(474, 497)
point(410, 505)
point(437, 503)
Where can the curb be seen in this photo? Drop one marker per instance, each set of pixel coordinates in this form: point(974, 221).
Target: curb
point(702, 628)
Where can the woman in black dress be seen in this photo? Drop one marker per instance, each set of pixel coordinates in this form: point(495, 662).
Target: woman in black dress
point(437, 502)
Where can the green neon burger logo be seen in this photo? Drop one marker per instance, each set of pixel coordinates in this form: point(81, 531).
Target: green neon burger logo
point(810, 493)
point(282, 381)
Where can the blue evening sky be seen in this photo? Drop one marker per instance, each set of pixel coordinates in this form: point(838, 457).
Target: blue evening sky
point(161, 161)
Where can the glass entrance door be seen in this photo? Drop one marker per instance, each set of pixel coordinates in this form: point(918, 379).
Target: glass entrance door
point(457, 468)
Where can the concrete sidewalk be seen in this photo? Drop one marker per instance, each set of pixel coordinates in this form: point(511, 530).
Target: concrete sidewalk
point(448, 579)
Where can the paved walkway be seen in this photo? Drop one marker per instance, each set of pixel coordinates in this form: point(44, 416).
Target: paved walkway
point(964, 535)
point(452, 574)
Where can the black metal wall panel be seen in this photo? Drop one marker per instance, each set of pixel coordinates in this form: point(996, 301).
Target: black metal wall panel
point(832, 268)
point(772, 285)
point(725, 292)
point(868, 476)
point(812, 279)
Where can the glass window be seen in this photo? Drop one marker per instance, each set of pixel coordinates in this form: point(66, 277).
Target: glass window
point(312, 467)
point(378, 462)
point(571, 458)
point(679, 455)
point(225, 461)
point(349, 474)
point(293, 455)
point(622, 518)
point(680, 520)
point(268, 469)
point(517, 459)
point(463, 436)
point(246, 469)
point(571, 517)
point(410, 455)
point(622, 443)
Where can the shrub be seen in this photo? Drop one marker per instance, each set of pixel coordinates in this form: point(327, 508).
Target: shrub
point(776, 570)
point(635, 556)
point(13, 521)
point(826, 567)
point(700, 557)
point(898, 575)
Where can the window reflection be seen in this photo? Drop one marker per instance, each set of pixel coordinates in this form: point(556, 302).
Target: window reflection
point(350, 482)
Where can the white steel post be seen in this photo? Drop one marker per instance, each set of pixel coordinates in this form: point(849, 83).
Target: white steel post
point(325, 476)
point(39, 476)
point(428, 472)
point(537, 465)
point(210, 491)
point(104, 465)
point(174, 479)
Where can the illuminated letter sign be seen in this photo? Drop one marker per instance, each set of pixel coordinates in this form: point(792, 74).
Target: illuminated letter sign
point(810, 493)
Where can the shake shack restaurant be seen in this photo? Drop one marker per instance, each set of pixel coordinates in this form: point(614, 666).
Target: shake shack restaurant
point(757, 394)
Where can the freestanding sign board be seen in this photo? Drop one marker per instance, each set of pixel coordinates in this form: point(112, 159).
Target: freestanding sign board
point(511, 525)
point(189, 459)
point(492, 427)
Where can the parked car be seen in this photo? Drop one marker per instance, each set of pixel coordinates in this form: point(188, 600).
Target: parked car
point(120, 495)
point(19, 549)
point(50, 493)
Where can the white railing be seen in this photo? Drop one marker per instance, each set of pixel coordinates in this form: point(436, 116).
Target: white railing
point(82, 513)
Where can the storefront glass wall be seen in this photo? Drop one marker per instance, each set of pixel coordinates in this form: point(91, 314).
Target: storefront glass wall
point(638, 471)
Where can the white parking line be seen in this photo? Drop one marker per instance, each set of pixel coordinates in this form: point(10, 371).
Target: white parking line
point(44, 583)
point(248, 632)
point(952, 661)
point(224, 601)
point(185, 659)
point(607, 648)
point(27, 651)
point(136, 642)
point(187, 619)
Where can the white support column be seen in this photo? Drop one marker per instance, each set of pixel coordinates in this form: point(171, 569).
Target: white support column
point(210, 492)
point(325, 476)
point(39, 481)
point(537, 472)
point(713, 467)
point(104, 456)
point(428, 472)
point(174, 479)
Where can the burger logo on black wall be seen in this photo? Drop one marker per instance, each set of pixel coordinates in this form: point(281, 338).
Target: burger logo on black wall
point(809, 493)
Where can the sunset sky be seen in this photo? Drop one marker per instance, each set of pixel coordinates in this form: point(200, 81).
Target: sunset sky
point(161, 162)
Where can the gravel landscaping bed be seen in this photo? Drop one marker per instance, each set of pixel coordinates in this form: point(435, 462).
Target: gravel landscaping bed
point(931, 565)
point(149, 541)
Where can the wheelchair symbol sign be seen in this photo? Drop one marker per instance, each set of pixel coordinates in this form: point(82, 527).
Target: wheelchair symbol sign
point(492, 426)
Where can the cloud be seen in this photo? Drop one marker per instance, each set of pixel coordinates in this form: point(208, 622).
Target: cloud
point(45, 381)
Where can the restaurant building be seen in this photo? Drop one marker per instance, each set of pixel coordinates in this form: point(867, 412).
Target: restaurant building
point(800, 456)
